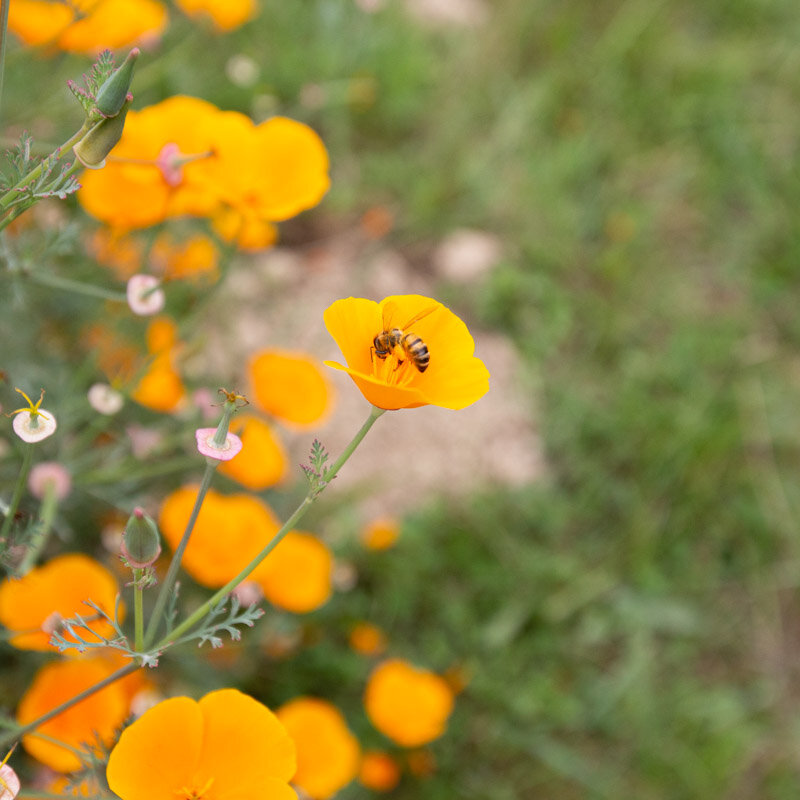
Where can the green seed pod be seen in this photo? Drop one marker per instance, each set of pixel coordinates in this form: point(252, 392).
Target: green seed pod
point(92, 150)
point(111, 95)
point(141, 544)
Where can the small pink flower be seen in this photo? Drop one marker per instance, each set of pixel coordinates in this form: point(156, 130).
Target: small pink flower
point(143, 440)
point(104, 399)
point(206, 446)
point(9, 783)
point(144, 295)
point(248, 593)
point(49, 473)
point(169, 163)
point(52, 623)
point(32, 424)
point(204, 400)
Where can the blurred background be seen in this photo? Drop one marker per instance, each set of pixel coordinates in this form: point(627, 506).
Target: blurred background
point(605, 547)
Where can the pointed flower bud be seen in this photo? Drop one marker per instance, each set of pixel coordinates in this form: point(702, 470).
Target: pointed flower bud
point(101, 139)
point(141, 544)
point(112, 94)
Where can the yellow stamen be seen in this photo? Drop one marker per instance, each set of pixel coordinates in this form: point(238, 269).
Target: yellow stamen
point(8, 754)
point(33, 409)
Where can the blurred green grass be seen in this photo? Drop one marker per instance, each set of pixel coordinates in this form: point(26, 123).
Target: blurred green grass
point(630, 623)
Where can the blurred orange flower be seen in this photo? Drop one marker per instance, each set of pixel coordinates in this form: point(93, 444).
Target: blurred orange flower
point(225, 14)
point(296, 575)
point(378, 771)
point(184, 156)
point(289, 386)
point(196, 257)
point(32, 605)
point(367, 639)
point(229, 532)
point(381, 533)
point(262, 460)
point(161, 388)
point(453, 378)
point(87, 26)
point(153, 173)
point(226, 745)
point(327, 752)
point(97, 716)
point(407, 704)
point(122, 253)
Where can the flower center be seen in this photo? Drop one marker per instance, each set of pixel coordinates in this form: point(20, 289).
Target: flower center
point(396, 369)
point(186, 793)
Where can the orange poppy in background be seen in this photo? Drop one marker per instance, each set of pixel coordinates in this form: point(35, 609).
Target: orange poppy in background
point(31, 606)
point(327, 752)
point(225, 14)
point(230, 531)
point(367, 639)
point(152, 173)
point(454, 377)
point(262, 461)
point(161, 388)
point(194, 258)
point(297, 574)
point(87, 26)
point(381, 533)
point(289, 386)
point(227, 745)
point(378, 771)
point(408, 704)
point(96, 717)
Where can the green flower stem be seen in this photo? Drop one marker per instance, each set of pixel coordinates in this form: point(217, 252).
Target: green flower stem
point(138, 611)
point(17, 732)
point(76, 286)
point(4, 6)
point(41, 533)
point(174, 565)
point(129, 473)
point(60, 152)
point(290, 523)
point(22, 480)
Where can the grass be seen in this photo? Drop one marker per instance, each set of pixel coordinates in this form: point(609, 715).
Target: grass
point(630, 623)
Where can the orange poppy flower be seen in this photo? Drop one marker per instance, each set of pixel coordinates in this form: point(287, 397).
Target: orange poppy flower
point(225, 14)
point(32, 605)
point(153, 172)
point(161, 388)
point(87, 26)
point(408, 704)
point(327, 752)
point(196, 257)
point(122, 253)
point(229, 532)
point(289, 386)
point(378, 771)
point(367, 639)
point(262, 461)
point(433, 363)
point(97, 716)
point(244, 230)
point(296, 575)
point(227, 745)
point(381, 533)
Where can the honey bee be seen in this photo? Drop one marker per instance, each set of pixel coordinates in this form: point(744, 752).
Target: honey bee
point(414, 349)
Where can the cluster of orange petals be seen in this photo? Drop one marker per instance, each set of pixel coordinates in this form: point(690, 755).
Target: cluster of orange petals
point(408, 704)
point(380, 533)
point(160, 387)
point(367, 639)
point(454, 378)
point(378, 771)
point(94, 718)
point(224, 14)
point(31, 606)
point(226, 745)
point(183, 156)
point(87, 26)
point(327, 752)
point(230, 532)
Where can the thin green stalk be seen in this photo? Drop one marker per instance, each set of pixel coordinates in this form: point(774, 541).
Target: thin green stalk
point(290, 523)
point(19, 732)
point(4, 6)
point(41, 533)
point(100, 476)
point(76, 286)
point(22, 480)
point(174, 565)
point(12, 193)
point(138, 611)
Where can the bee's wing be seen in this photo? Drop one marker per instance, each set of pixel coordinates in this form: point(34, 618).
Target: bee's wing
point(420, 315)
point(390, 315)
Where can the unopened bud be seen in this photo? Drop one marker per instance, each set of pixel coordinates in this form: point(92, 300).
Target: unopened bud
point(141, 544)
point(92, 150)
point(112, 94)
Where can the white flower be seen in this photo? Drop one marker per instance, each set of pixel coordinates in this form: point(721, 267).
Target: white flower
point(32, 424)
point(104, 399)
point(144, 295)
